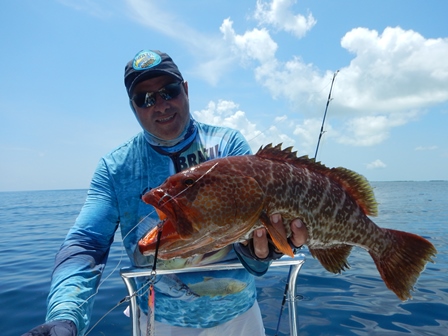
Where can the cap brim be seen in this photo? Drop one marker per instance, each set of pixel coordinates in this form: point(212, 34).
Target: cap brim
point(148, 75)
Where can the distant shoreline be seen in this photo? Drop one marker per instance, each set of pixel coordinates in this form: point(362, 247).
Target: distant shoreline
point(80, 189)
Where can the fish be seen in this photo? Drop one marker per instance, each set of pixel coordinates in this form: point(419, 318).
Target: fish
point(170, 283)
point(217, 286)
point(222, 201)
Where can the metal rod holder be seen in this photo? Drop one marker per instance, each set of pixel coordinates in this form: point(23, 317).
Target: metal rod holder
point(129, 274)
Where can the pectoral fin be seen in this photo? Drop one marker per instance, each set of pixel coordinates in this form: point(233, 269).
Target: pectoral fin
point(279, 240)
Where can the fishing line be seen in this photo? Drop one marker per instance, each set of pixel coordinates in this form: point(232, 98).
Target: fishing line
point(161, 228)
point(126, 299)
point(189, 186)
point(315, 156)
point(146, 287)
point(119, 303)
point(119, 261)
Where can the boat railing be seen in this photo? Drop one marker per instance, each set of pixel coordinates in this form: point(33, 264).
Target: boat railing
point(129, 275)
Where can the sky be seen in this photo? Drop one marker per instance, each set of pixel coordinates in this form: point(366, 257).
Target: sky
point(264, 67)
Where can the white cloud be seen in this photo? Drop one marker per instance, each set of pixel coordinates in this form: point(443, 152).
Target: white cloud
point(278, 14)
point(393, 71)
point(393, 77)
point(371, 130)
point(227, 113)
point(214, 60)
point(97, 8)
point(154, 16)
point(426, 148)
point(376, 164)
point(255, 44)
point(293, 80)
point(308, 132)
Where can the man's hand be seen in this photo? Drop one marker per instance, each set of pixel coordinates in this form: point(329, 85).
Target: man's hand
point(299, 235)
point(54, 328)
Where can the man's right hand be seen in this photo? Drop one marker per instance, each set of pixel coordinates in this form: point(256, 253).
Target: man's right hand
point(54, 328)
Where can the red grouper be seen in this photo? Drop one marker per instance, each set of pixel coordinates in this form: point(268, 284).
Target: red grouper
point(223, 201)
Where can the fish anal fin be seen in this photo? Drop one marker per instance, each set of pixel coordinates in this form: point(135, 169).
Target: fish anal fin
point(278, 239)
point(333, 258)
point(401, 264)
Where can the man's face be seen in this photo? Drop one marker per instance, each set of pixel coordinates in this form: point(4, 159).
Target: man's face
point(166, 119)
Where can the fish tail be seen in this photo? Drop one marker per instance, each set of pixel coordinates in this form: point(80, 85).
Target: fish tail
point(401, 264)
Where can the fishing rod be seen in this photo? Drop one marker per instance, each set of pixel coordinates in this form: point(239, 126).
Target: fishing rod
point(315, 156)
point(325, 114)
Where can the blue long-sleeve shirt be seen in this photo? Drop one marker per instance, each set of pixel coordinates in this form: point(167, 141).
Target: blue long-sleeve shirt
point(114, 200)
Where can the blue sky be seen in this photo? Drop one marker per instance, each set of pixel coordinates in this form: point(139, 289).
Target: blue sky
point(263, 67)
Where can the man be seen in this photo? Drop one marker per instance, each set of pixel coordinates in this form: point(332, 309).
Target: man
point(171, 141)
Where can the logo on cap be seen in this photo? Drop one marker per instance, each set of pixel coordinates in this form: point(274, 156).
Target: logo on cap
point(146, 59)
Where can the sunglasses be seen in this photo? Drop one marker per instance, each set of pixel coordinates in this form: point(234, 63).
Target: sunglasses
point(148, 99)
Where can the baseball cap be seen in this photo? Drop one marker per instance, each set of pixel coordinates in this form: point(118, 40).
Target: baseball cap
point(148, 64)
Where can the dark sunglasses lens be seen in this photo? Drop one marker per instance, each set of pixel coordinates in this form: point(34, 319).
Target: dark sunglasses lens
point(139, 99)
point(170, 91)
point(147, 99)
point(150, 99)
point(144, 99)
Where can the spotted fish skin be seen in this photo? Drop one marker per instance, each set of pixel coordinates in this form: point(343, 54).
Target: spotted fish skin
point(223, 201)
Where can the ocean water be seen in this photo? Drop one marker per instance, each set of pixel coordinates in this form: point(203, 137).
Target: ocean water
point(33, 225)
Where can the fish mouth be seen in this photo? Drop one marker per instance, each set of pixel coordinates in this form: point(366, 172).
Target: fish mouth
point(174, 224)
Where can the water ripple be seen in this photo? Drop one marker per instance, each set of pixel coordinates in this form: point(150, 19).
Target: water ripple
point(356, 302)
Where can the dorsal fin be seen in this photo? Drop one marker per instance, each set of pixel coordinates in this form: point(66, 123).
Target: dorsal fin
point(355, 184)
point(277, 153)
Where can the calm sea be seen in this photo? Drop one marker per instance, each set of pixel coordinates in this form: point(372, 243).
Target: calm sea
point(357, 302)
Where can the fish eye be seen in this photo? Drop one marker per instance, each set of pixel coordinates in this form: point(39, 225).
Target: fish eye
point(189, 182)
